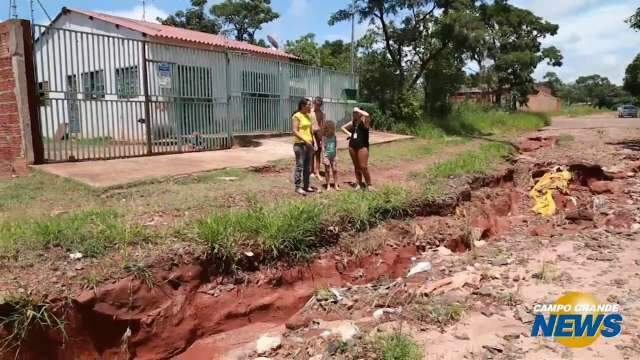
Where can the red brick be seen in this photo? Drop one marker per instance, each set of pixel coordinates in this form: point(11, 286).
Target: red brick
point(8, 108)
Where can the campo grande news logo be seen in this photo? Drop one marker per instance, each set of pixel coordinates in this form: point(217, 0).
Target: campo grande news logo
point(577, 319)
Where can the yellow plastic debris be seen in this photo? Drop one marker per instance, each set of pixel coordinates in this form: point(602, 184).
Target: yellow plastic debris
point(542, 192)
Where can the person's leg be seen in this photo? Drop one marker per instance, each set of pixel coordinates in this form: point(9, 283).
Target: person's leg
point(334, 170)
point(327, 176)
point(297, 170)
point(363, 161)
point(306, 167)
point(356, 166)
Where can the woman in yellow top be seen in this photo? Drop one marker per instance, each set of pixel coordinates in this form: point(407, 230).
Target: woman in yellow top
point(303, 146)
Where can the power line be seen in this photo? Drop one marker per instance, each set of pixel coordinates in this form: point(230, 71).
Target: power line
point(44, 10)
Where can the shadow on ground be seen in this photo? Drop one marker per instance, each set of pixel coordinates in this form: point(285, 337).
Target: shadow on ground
point(633, 145)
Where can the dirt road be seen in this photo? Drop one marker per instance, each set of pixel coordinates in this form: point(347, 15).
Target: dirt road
point(591, 245)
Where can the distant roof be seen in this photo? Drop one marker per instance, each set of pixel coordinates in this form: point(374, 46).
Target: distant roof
point(176, 33)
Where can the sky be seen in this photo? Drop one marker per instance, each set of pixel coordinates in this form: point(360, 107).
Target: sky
point(593, 36)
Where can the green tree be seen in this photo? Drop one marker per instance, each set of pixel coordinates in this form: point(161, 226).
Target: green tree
point(305, 48)
point(336, 55)
point(513, 48)
point(413, 33)
point(553, 82)
point(634, 20)
point(242, 18)
point(597, 90)
point(443, 77)
point(193, 18)
point(632, 77)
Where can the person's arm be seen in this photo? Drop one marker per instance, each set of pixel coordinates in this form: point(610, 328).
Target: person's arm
point(347, 129)
point(296, 130)
point(365, 118)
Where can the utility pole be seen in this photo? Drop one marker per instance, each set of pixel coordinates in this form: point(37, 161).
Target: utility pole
point(144, 8)
point(13, 9)
point(353, 27)
point(32, 12)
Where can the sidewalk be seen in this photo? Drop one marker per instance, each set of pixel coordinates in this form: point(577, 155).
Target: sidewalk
point(118, 172)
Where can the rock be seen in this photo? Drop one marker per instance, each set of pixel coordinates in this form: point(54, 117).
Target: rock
point(484, 291)
point(443, 251)
point(75, 256)
point(511, 337)
point(461, 335)
point(347, 330)
point(500, 261)
point(379, 314)
point(578, 215)
point(601, 257)
point(78, 267)
point(268, 343)
point(600, 204)
point(227, 178)
point(635, 227)
point(316, 357)
point(479, 243)
point(297, 321)
point(419, 267)
point(541, 230)
point(521, 313)
point(604, 187)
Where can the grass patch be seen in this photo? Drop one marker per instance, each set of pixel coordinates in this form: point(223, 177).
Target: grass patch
point(284, 230)
point(91, 232)
point(291, 230)
point(361, 210)
point(472, 120)
point(437, 310)
point(565, 139)
point(480, 161)
point(20, 315)
point(396, 346)
point(578, 110)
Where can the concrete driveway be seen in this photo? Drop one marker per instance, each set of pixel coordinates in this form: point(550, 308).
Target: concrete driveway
point(118, 172)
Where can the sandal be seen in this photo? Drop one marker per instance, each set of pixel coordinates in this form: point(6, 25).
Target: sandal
point(301, 191)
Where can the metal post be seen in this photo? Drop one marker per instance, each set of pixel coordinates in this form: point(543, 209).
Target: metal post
point(145, 90)
point(228, 86)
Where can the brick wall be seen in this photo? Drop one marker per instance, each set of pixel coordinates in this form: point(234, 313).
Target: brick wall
point(16, 97)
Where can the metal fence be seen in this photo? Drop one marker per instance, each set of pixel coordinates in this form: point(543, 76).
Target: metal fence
point(104, 96)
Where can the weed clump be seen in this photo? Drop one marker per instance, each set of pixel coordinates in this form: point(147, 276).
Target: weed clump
point(20, 315)
point(91, 232)
point(396, 346)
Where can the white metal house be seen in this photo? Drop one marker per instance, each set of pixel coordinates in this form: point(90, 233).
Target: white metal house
point(117, 87)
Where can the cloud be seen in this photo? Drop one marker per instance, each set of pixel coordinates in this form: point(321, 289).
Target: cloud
point(593, 37)
point(151, 13)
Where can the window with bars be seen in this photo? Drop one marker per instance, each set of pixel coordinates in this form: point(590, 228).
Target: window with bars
point(93, 84)
point(43, 93)
point(127, 82)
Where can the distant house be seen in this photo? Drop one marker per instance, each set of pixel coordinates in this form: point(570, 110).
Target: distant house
point(542, 100)
point(473, 94)
point(91, 70)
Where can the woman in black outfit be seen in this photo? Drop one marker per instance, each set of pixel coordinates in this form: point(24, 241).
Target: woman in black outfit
point(358, 135)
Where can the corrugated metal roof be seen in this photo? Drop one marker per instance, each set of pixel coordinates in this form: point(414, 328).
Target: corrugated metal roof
point(175, 33)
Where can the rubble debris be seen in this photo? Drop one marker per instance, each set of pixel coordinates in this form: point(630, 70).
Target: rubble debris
point(268, 343)
point(445, 285)
point(422, 266)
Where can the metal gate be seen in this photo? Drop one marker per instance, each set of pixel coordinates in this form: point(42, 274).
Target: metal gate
point(104, 96)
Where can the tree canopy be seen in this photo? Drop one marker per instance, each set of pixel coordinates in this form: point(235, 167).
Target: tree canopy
point(334, 55)
point(512, 45)
point(193, 18)
point(632, 77)
point(242, 18)
point(634, 20)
